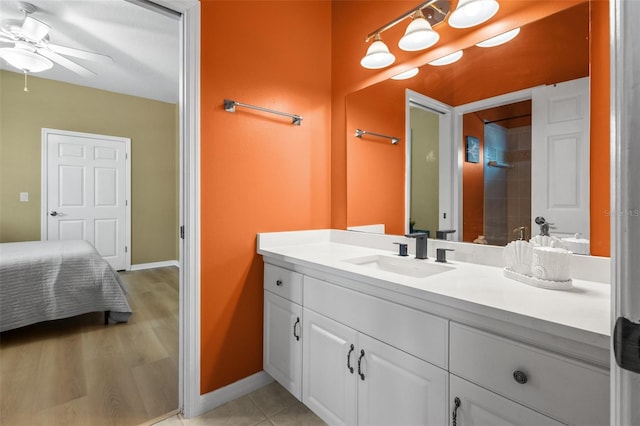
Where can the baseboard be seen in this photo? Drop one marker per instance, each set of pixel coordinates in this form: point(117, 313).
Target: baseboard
point(216, 398)
point(141, 266)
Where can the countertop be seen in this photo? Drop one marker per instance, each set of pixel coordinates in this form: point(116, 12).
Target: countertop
point(583, 311)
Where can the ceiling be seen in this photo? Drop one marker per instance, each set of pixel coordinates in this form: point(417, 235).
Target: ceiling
point(144, 44)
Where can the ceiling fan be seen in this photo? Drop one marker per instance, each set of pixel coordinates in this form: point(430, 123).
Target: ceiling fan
point(32, 52)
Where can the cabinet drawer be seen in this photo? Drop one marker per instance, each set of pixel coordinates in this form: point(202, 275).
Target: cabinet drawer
point(283, 282)
point(415, 332)
point(570, 391)
point(478, 406)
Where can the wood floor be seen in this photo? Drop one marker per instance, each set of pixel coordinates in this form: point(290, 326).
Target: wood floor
point(77, 371)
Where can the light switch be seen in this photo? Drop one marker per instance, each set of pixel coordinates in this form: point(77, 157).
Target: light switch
point(24, 197)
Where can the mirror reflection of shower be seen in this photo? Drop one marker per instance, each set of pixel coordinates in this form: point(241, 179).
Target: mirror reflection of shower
point(502, 191)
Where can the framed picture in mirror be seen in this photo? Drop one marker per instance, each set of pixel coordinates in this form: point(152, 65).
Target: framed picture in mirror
point(473, 149)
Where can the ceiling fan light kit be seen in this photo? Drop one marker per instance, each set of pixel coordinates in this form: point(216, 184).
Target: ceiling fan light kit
point(420, 34)
point(25, 60)
point(32, 52)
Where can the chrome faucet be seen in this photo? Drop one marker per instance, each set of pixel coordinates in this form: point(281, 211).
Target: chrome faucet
point(544, 225)
point(441, 234)
point(421, 244)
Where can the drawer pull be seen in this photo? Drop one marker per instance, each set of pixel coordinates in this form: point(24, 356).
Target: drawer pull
point(353, 348)
point(454, 415)
point(520, 377)
point(297, 336)
point(360, 373)
point(279, 283)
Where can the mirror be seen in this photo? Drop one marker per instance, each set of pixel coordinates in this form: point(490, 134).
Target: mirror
point(552, 50)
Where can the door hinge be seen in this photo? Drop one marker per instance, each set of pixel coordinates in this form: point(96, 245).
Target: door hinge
point(126, 156)
point(182, 232)
point(126, 202)
point(626, 344)
point(126, 249)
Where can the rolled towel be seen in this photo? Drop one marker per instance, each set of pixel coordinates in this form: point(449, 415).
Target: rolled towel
point(552, 264)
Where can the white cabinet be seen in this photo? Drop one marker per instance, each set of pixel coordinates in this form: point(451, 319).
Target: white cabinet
point(477, 406)
point(357, 358)
point(571, 391)
point(282, 349)
point(398, 389)
point(350, 378)
point(282, 346)
point(329, 371)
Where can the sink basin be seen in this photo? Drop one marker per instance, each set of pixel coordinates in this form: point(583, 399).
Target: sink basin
point(407, 266)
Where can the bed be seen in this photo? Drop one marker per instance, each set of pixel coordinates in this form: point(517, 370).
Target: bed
point(47, 280)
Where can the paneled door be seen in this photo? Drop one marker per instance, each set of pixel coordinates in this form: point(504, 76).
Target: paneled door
point(85, 192)
point(560, 157)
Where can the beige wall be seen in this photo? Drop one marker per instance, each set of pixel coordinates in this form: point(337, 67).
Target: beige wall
point(151, 125)
point(425, 133)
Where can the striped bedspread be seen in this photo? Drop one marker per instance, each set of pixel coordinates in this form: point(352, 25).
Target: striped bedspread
point(46, 280)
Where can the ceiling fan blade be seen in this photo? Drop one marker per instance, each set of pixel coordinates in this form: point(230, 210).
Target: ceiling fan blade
point(33, 29)
point(61, 60)
point(82, 54)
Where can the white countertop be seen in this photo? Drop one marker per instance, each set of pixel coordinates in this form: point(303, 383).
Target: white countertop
point(477, 288)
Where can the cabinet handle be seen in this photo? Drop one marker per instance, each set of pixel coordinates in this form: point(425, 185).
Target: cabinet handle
point(297, 336)
point(279, 283)
point(360, 373)
point(454, 415)
point(520, 377)
point(353, 348)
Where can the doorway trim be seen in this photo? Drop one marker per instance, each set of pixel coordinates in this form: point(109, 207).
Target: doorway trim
point(44, 185)
point(446, 186)
point(189, 199)
point(458, 114)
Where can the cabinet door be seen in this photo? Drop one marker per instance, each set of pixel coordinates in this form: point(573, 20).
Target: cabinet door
point(329, 383)
point(480, 407)
point(282, 349)
point(399, 389)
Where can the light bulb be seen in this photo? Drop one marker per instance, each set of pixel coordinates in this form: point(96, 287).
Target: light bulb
point(500, 39)
point(446, 60)
point(378, 55)
point(419, 34)
point(406, 74)
point(470, 13)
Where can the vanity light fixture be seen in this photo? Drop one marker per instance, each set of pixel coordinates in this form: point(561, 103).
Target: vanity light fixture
point(378, 55)
point(406, 74)
point(499, 39)
point(419, 34)
point(446, 60)
point(470, 13)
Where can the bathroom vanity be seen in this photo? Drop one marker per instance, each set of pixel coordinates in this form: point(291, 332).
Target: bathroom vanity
point(363, 336)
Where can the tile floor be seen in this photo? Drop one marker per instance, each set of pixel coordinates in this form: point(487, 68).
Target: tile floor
point(269, 405)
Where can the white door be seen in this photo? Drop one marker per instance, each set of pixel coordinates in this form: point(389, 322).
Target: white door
point(472, 405)
point(560, 157)
point(85, 191)
point(625, 279)
point(399, 389)
point(329, 369)
point(282, 347)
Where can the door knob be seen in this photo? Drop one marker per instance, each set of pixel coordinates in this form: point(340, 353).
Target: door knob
point(53, 213)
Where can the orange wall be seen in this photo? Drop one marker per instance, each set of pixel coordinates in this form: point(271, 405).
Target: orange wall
point(473, 182)
point(375, 167)
point(259, 173)
point(600, 130)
